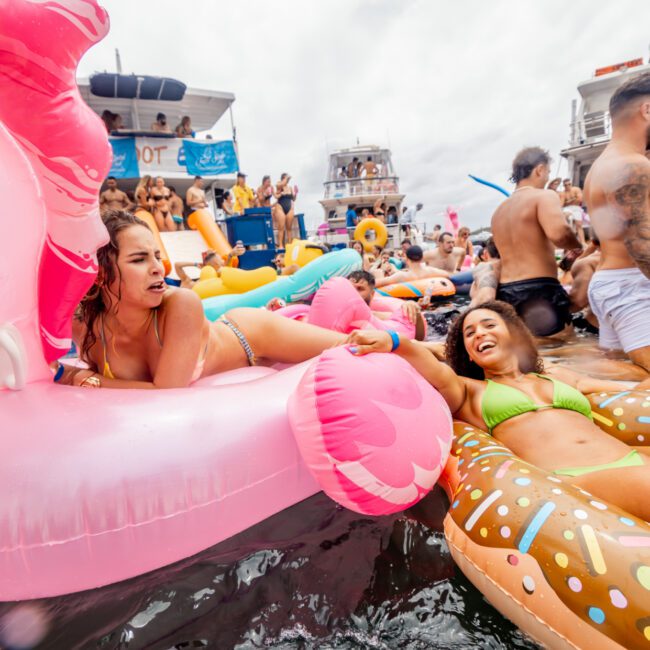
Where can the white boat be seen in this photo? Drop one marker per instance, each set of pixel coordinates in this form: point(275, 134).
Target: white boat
point(591, 127)
point(343, 190)
point(138, 150)
point(137, 99)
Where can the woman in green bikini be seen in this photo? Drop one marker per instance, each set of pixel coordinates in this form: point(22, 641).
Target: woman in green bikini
point(494, 381)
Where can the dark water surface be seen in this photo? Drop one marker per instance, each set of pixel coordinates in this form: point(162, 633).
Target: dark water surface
point(313, 576)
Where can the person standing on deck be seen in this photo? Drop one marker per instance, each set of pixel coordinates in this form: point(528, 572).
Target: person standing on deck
point(195, 196)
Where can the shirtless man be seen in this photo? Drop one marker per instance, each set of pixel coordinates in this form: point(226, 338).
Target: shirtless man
point(486, 275)
point(195, 196)
point(571, 195)
point(571, 199)
point(617, 192)
point(352, 168)
point(112, 198)
point(582, 271)
point(527, 227)
point(445, 255)
point(370, 168)
point(365, 283)
point(415, 269)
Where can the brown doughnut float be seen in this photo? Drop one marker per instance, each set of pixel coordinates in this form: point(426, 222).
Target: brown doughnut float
point(624, 415)
point(570, 570)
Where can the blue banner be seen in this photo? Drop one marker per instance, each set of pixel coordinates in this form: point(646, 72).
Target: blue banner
point(210, 158)
point(125, 158)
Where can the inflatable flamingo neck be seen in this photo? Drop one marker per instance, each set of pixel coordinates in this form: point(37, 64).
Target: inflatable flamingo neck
point(62, 155)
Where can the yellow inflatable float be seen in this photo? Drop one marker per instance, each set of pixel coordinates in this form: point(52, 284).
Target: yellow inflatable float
point(233, 281)
point(301, 252)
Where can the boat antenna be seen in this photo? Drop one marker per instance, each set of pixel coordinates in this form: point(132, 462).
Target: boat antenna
point(357, 141)
point(118, 61)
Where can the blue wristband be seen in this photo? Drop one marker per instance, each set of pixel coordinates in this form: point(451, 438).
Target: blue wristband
point(395, 336)
point(59, 372)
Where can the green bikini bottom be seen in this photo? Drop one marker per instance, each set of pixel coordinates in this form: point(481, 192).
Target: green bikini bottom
point(633, 459)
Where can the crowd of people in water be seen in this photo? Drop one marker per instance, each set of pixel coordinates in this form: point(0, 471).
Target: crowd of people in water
point(133, 331)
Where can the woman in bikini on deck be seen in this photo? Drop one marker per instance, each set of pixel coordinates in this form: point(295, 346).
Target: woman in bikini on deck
point(162, 210)
point(136, 332)
point(283, 210)
point(495, 381)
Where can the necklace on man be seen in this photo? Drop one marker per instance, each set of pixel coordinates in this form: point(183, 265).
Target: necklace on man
point(523, 187)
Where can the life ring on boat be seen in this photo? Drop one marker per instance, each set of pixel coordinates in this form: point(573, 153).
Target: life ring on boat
point(570, 570)
point(381, 233)
point(435, 287)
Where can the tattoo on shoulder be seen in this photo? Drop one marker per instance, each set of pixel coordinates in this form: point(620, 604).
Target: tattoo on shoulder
point(633, 199)
point(486, 277)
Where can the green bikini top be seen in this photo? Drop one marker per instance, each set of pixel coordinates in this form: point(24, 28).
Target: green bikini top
point(502, 402)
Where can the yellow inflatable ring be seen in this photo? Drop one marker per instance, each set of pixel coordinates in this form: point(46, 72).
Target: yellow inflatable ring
point(381, 234)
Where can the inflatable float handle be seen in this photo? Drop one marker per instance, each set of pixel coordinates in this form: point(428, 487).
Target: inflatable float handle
point(15, 375)
point(203, 221)
point(488, 184)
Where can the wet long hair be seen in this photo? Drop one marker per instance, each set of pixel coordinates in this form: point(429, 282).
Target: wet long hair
point(458, 357)
point(100, 298)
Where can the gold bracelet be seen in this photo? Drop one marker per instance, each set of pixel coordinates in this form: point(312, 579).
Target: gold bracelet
point(91, 382)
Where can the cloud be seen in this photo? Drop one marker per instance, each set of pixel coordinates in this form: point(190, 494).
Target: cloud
point(452, 88)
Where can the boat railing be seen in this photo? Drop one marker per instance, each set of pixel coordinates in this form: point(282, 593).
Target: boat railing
point(590, 128)
point(360, 186)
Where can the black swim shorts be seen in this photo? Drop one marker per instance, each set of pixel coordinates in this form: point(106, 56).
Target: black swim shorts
point(542, 303)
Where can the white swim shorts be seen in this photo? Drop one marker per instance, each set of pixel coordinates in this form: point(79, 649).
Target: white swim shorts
point(620, 299)
point(574, 213)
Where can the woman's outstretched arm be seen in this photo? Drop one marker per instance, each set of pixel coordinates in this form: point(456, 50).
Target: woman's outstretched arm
point(439, 375)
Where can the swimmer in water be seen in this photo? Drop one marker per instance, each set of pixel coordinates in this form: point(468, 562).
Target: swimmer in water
point(495, 381)
point(532, 220)
point(617, 193)
point(135, 332)
point(365, 283)
point(446, 255)
point(416, 269)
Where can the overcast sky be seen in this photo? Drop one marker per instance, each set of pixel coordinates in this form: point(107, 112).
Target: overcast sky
point(452, 88)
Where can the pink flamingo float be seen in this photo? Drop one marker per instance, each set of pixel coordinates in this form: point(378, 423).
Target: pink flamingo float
point(93, 480)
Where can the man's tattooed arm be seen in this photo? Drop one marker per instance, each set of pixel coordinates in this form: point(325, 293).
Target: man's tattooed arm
point(633, 201)
point(486, 281)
